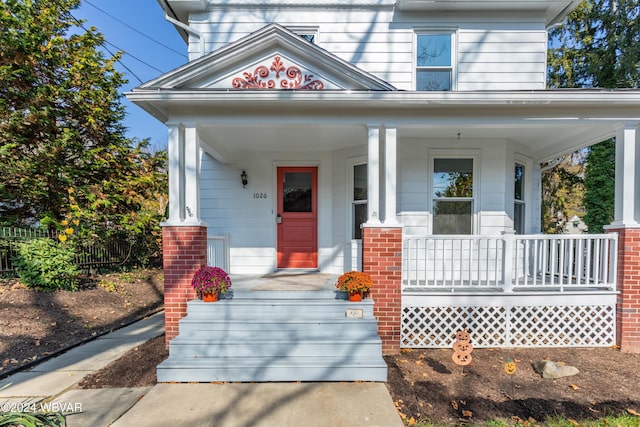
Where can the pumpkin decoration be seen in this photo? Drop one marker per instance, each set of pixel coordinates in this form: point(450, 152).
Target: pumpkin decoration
point(509, 366)
point(462, 348)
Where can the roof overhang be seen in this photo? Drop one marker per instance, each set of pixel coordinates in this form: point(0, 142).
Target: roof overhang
point(554, 10)
point(546, 122)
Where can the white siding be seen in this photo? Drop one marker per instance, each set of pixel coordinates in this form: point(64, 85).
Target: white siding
point(228, 208)
point(414, 175)
point(493, 53)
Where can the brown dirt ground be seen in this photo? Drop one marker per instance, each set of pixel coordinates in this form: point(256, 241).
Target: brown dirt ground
point(425, 384)
point(136, 368)
point(428, 385)
point(34, 324)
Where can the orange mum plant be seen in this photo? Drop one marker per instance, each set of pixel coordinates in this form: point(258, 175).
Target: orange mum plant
point(354, 281)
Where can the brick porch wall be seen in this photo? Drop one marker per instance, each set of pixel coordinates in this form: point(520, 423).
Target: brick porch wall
point(382, 259)
point(628, 304)
point(184, 250)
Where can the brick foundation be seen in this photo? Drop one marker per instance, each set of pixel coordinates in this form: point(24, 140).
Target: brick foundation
point(382, 259)
point(184, 250)
point(628, 304)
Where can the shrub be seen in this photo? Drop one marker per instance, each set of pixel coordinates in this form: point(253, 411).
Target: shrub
point(35, 419)
point(45, 264)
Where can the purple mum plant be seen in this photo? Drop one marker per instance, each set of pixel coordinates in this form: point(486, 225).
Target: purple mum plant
point(208, 280)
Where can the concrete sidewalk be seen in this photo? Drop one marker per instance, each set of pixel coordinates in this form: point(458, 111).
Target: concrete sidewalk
point(50, 386)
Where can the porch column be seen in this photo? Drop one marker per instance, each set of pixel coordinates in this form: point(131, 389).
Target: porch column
point(382, 259)
point(391, 172)
point(184, 175)
point(373, 175)
point(184, 235)
point(627, 200)
point(627, 214)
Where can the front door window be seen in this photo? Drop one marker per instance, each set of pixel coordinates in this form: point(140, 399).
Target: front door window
point(297, 192)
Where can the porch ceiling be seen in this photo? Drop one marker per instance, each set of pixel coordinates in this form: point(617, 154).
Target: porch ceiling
point(235, 140)
point(545, 141)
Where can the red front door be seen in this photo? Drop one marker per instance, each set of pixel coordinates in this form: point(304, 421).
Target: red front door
point(297, 217)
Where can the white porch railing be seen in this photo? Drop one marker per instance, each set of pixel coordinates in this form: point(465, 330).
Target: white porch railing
point(510, 262)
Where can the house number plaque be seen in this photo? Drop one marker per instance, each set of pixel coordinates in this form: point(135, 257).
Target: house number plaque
point(259, 195)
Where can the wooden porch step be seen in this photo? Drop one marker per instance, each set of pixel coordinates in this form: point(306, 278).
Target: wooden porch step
point(280, 328)
point(262, 308)
point(260, 369)
point(270, 348)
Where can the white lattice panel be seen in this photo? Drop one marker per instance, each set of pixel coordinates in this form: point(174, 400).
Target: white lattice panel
point(509, 326)
point(562, 326)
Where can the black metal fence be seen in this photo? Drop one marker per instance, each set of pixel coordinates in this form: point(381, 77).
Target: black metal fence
point(102, 251)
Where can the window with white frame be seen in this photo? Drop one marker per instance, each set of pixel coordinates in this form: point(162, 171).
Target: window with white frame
point(310, 34)
point(434, 61)
point(519, 202)
point(453, 196)
point(359, 200)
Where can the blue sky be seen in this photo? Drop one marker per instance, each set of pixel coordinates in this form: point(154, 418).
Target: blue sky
point(144, 59)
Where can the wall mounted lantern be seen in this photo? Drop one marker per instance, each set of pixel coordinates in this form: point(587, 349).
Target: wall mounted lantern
point(243, 177)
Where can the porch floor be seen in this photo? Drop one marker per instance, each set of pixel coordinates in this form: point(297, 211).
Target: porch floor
point(285, 280)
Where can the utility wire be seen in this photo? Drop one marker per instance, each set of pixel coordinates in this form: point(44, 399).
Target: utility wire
point(136, 30)
point(134, 57)
point(112, 54)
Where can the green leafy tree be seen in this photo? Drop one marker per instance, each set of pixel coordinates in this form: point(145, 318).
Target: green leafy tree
point(600, 184)
point(598, 46)
point(562, 192)
point(64, 155)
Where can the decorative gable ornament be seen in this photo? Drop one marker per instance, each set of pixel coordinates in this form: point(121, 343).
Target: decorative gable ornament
point(281, 77)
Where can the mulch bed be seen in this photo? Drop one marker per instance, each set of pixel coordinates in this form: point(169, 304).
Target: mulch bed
point(35, 325)
point(136, 368)
point(428, 385)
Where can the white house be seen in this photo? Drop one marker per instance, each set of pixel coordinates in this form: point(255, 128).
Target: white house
point(403, 138)
point(575, 226)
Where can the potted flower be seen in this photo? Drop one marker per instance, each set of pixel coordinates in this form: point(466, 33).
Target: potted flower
point(210, 281)
point(355, 283)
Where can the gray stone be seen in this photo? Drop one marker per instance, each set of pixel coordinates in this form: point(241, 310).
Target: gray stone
point(551, 370)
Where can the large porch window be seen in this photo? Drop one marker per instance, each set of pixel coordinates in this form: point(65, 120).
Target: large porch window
point(359, 200)
point(452, 196)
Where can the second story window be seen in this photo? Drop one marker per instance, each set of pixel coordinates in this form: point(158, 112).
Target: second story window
point(434, 61)
point(309, 33)
point(311, 38)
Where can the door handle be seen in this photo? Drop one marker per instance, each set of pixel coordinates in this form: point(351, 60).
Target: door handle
point(278, 219)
